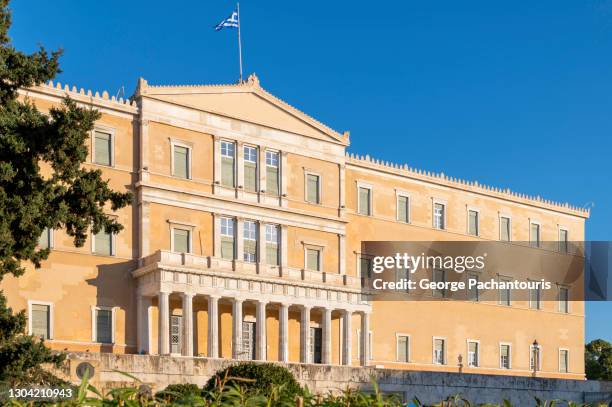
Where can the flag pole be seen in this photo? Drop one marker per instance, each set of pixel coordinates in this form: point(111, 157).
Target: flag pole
point(239, 41)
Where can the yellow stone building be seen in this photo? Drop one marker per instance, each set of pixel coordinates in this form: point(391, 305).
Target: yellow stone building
point(244, 239)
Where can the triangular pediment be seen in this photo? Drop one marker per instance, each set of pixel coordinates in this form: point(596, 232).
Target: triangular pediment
point(248, 102)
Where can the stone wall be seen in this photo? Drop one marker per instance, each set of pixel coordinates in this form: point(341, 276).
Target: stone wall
point(429, 387)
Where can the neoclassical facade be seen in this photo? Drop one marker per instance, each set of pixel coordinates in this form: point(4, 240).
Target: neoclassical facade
point(244, 242)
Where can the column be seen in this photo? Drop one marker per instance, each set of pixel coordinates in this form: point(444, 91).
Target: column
point(347, 345)
point(283, 337)
point(213, 327)
point(326, 339)
point(261, 341)
point(142, 310)
point(365, 339)
point(237, 328)
point(164, 323)
point(305, 335)
point(187, 324)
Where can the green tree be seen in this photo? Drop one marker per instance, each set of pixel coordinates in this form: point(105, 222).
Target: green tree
point(598, 360)
point(42, 185)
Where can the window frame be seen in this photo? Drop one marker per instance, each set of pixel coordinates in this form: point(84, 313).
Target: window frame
point(223, 142)
point(233, 221)
point(539, 303)
point(278, 229)
point(434, 280)
point(310, 246)
point(499, 298)
point(403, 194)
point(444, 350)
point(477, 212)
point(184, 144)
point(371, 343)
point(567, 302)
point(468, 275)
point(189, 230)
point(94, 323)
point(397, 347)
point(278, 171)
point(467, 343)
point(106, 130)
point(45, 303)
point(256, 162)
point(505, 216)
point(563, 242)
point(255, 239)
point(567, 362)
point(369, 187)
point(509, 344)
point(50, 236)
point(538, 243)
point(444, 203)
point(319, 187)
point(113, 248)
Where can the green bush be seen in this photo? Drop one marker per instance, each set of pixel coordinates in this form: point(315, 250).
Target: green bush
point(175, 392)
point(256, 378)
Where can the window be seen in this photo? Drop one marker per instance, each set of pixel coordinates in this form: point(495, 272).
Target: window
point(563, 360)
point(365, 269)
point(40, 320)
point(403, 208)
point(505, 231)
point(504, 292)
point(250, 169)
point(439, 216)
point(439, 276)
point(250, 241)
point(181, 160)
point(359, 345)
point(473, 353)
point(534, 235)
point(403, 348)
point(564, 300)
point(563, 241)
point(365, 201)
point(316, 345)
point(272, 176)
point(45, 241)
point(227, 238)
point(228, 159)
point(535, 297)
point(505, 355)
point(103, 325)
point(103, 243)
point(403, 274)
point(313, 259)
point(473, 292)
point(473, 226)
point(535, 355)
point(181, 240)
point(439, 351)
point(103, 147)
point(313, 188)
point(272, 244)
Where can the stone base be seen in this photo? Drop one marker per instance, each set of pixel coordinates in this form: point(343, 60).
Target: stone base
point(429, 387)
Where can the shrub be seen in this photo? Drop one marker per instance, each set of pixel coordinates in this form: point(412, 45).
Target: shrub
point(257, 378)
point(180, 391)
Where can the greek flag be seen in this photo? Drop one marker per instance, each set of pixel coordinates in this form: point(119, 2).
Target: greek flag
point(231, 21)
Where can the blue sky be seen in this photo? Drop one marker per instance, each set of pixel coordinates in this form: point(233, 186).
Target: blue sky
point(512, 94)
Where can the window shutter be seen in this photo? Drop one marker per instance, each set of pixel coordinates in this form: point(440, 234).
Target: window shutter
point(272, 180)
point(103, 243)
point(402, 351)
point(364, 201)
point(505, 229)
point(104, 324)
point(312, 259)
point(43, 240)
point(473, 223)
point(227, 171)
point(181, 241)
point(102, 148)
point(563, 355)
point(250, 176)
point(40, 321)
point(272, 254)
point(402, 209)
point(312, 188)
point(181, 162)
point(227, 247)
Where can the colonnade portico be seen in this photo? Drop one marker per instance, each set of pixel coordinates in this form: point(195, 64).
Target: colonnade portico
point(188, 337)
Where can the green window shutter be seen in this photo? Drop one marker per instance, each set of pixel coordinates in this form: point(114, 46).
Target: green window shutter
point(313, 259)
point(181, 162)
point(103, 243)
point(102, 148)
point(227, 172)
point(272, 180)
point(272, 254)
point(43, 240)
point(402, 209)
point(40, 320)
point(227, 247)
point(312, 188)
point(104, 326)
point(181, 241)
point(250, 176)
point(364, 201)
